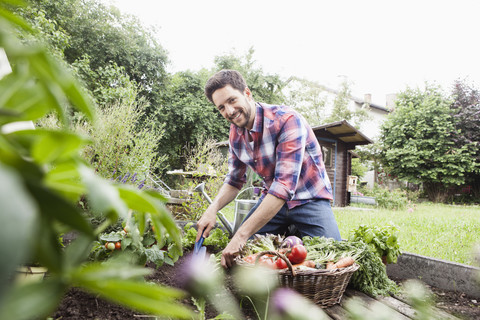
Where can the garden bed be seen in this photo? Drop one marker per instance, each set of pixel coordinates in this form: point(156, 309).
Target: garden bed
point(80, 305)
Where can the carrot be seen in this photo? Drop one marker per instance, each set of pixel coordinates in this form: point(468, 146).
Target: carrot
point(330, 265)
point(343, 263)
point(305, 263)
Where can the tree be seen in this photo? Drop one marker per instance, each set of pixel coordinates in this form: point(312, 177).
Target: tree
point(188, 116)
point(265, 87)
point(103, 37)
point(466, 114)
point(417, 144)
point(314, 101)
point(309, 99)
point(342, 111)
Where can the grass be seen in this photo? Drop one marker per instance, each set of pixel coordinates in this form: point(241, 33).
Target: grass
point(434, 230)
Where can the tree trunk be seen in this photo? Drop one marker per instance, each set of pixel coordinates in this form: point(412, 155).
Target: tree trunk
point(436, 191)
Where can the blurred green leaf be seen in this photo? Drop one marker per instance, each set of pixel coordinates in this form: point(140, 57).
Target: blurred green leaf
point(77, 251)
point(152, 202)
point(166, 220)
point(97, 272)
point(115, 282)
point(52, 145)
point(18, 221)
point(13, 18)
point(104, 197)
point(65, 179)
point(33, 301)
point(147, 297)
point(56, 207)
point(136, 199)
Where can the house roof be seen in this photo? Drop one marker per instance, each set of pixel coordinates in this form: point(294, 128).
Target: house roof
point(344, 131)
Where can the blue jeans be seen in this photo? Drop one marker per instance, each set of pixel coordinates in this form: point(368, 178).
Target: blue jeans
point(313, 219)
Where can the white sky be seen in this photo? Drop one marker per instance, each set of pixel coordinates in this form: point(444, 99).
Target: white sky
point(381, 46)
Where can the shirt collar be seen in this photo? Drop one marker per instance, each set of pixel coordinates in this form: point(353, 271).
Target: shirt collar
point(257, 122)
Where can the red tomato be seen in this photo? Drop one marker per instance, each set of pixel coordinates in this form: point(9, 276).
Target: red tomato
point(297, 254)
point(280, 263)
point(118, 245)
point(251, 258)
point(267, 262)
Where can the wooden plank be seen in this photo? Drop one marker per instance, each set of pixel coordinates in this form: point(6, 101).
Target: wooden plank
point(369, 302)
point(438, 313)
point(398, 305)
point(336, 312)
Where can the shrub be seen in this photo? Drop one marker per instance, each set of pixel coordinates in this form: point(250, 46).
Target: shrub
point(390, 199)
point(207, 160)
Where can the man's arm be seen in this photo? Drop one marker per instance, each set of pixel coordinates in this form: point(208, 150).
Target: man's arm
point(265, 211)
point(206, 223)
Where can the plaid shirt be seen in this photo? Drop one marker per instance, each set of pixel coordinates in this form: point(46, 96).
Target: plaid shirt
point(285, 153)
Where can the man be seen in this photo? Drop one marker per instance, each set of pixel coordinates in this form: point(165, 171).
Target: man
point(279, 145)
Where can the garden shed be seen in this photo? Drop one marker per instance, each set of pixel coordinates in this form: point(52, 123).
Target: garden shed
point(338, 140)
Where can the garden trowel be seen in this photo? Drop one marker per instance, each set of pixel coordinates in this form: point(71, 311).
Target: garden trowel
point(199, 250)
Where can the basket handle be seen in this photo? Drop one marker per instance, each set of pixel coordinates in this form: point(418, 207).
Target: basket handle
point(280, 255)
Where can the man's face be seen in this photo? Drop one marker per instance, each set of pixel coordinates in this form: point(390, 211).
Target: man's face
point(235, 106)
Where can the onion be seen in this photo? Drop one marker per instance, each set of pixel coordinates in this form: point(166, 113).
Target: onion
point(290, 241)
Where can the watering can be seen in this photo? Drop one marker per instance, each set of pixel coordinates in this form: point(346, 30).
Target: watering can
point(242, 208)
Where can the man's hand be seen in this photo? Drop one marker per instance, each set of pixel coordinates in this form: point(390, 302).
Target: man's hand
point(206, 224)
point(231, 251)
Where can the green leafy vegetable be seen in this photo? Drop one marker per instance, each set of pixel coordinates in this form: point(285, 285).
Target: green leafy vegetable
point(217, 239)
point(371, 278)
point(382, 239)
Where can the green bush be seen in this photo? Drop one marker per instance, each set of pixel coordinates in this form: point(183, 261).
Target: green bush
point(390, 199)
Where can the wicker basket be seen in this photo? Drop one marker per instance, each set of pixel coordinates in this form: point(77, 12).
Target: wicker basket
point(324, 287)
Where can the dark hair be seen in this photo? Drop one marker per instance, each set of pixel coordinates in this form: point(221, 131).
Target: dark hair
point(223, 78)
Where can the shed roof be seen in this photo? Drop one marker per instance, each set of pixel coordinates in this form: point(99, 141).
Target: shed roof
point(344, 131)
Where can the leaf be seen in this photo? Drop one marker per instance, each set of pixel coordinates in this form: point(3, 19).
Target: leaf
point(152, 202)
point(136, 199)
point(77, 251)
point(111, 237)
point(103, 196)
point(18, 221)
point(55, 207)
point(33, 301)
point(155, 255)
point(54, 145)
point(14, 18)
point(115, 283)
point(66, 180)
point(98, 272)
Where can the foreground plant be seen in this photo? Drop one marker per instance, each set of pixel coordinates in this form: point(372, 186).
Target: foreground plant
point(43, 179)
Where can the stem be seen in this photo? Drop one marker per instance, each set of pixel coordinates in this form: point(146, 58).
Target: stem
point(102, 226)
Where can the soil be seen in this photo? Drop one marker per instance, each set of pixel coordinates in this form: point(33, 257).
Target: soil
point(78, 304)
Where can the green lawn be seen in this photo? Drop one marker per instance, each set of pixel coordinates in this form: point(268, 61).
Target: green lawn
point(434, 230)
